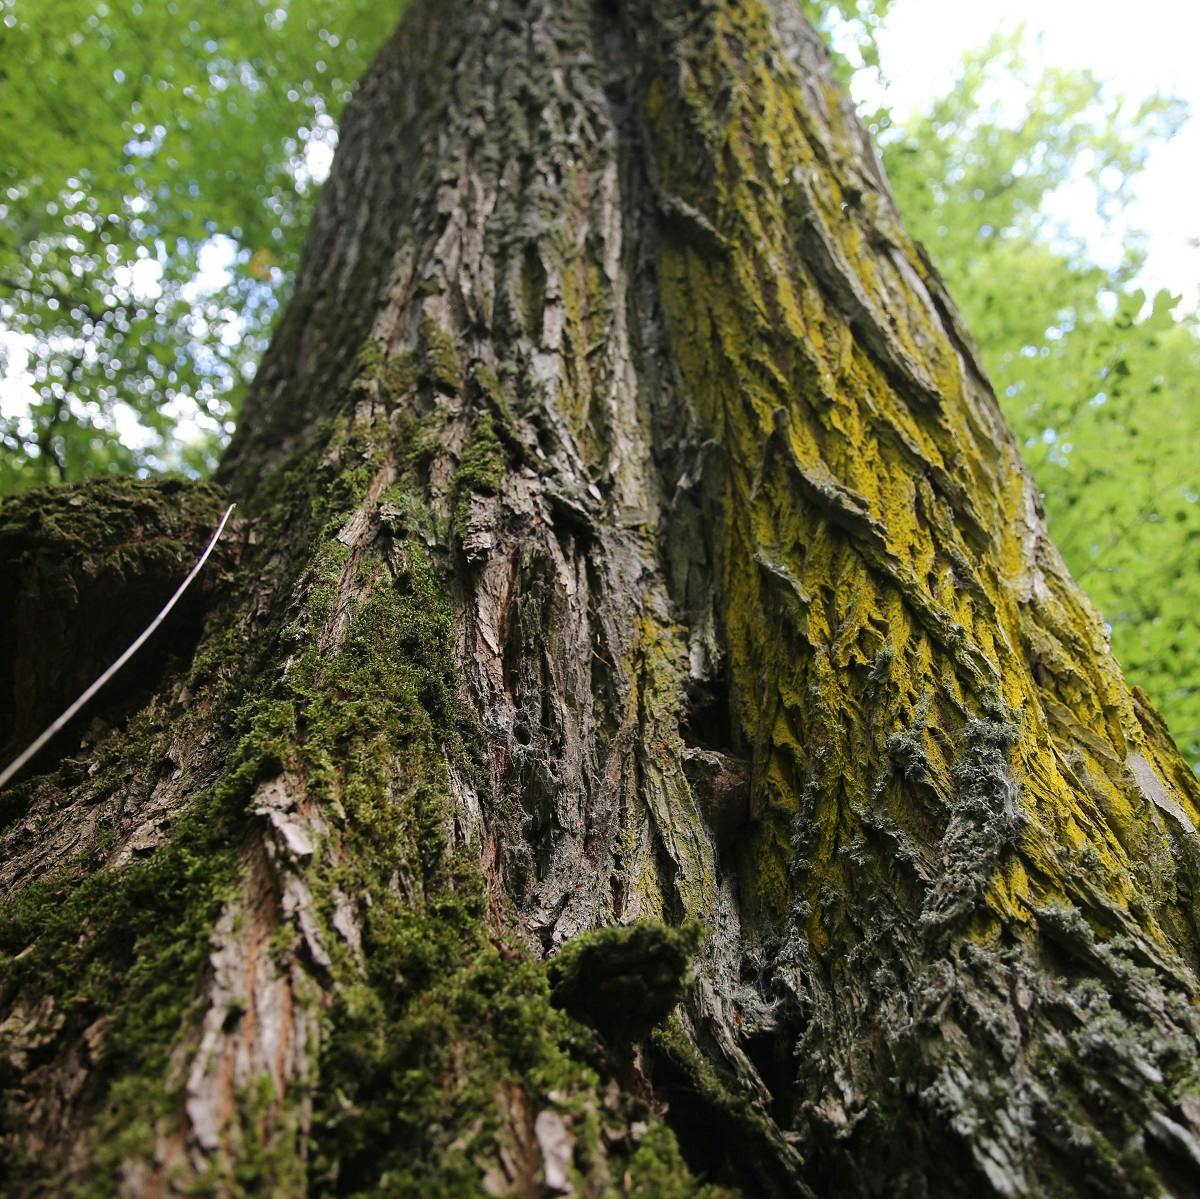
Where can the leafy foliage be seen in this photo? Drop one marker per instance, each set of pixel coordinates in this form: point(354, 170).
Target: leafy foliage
point(1100, 382)
point(850, 28)
point(155, 139)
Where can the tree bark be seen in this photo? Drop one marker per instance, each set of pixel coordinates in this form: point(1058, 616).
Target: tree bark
point(633, 567)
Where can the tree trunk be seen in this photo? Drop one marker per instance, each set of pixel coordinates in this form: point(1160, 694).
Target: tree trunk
point(633, 566)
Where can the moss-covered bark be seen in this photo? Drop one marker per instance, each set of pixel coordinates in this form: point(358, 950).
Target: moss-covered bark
point(630, 542)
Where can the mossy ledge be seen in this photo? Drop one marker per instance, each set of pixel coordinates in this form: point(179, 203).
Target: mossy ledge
point(83, 569)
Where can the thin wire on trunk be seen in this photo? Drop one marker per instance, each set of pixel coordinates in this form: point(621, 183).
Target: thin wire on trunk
point(17, 763)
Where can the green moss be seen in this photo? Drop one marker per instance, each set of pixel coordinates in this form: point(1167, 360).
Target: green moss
point(657, 1171)
point(438, 1017)
point(446, 1017)
point(624, 979)
point(116, 941)
point(126, 945)
point(673, 1040)
point(481, 469)
point(495, 443)
point(109, 516)
point(438, 362)
point(390, 376)
point(129, 945)
point(409, 1079)
point(487, 385)
point(368, 362)
point(448, 1020)
point(399, 376)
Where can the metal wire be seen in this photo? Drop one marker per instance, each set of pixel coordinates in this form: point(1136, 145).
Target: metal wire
point(21, 759)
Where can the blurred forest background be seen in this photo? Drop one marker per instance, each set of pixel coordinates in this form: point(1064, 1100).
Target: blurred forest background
point(161, 160)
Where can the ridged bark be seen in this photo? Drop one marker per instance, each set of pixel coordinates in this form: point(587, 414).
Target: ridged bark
point(630, 540)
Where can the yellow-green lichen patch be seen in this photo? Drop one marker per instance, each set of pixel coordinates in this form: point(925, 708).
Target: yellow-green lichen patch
point(853, 495)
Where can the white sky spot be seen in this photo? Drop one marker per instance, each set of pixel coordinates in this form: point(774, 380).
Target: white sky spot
point(1151, 49)
point(318, 157)
point(142, 278)
point(16, 383)
point(130, 430)
point(215, 258)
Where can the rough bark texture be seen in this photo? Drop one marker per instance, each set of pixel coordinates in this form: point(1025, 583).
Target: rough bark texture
point(631, 542)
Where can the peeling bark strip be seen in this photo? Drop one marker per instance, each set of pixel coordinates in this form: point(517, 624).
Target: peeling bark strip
point(635, 543)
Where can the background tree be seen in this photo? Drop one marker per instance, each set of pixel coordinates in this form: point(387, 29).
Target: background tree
point(635, 565)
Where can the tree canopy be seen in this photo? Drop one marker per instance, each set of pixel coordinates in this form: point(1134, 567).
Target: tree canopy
point(150, 141)
point(1099, 380)
point(155, 201)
